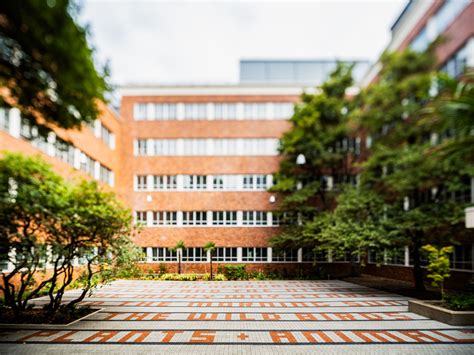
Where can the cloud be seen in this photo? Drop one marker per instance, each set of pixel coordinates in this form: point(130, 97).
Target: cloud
point(202, 42)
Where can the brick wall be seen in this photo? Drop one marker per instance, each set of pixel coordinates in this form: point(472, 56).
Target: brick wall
point(199, 165)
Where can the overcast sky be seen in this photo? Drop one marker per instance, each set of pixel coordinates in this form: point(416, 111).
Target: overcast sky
point(202, 42)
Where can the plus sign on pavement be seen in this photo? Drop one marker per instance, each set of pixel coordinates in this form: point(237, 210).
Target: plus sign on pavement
point(242, 336)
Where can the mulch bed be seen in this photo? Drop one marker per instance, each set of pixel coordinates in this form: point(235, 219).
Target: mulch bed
point(39, 316)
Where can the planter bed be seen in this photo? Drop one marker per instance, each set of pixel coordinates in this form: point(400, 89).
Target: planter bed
point(7, 319)
point(434, 310)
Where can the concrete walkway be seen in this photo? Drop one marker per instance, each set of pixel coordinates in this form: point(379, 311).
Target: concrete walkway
point(243, 317)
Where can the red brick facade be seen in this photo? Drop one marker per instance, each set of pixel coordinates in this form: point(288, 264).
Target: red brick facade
point(125, 164)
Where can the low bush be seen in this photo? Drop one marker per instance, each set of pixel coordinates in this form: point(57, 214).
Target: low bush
point(236, 272)
point(459, 301)
point(219, 277)
point(179, 277)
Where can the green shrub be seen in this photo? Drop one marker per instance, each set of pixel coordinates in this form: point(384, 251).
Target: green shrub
point(438, 265)
point(459, 301)
point(259, 276)
point(179, 277)
point(162, 269)
point(219, 277)
point(235, 272)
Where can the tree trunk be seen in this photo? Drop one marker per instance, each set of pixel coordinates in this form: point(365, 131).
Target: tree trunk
point(417, 271)
point(211, 267)
point(179, 264)
point(353, 270)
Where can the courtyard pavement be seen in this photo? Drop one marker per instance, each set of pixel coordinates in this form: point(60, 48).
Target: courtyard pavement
point(242, 317)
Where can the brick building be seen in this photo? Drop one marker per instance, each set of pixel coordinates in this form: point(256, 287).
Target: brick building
point(194, 162)
point(199, 162)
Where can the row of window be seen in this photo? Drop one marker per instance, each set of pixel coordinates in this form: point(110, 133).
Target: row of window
point(459, 61)
point(54, 146)
point(207, 146)
point(243, 254)
point(209, 111)
point(460, 259)
point(254, 182)
point(103, 133)
point(438, 23)
point(206, 218)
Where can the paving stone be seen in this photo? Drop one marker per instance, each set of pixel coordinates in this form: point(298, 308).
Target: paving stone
point(243, 317)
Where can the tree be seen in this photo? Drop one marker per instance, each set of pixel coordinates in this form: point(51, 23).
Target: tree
point(424, 194)
point(30, 198)
point(47, 65)
point(321, 134)
point(178, 249)
point(48, 225)
point(438, 265)
point(210, 247)
point(452, 114)
point(354, 227)
point(95, 227)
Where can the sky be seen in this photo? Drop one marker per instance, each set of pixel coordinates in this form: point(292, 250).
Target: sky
point(191, 42)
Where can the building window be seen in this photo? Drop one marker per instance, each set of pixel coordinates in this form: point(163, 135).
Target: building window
point(107, 136)
point(282, 110)
point(343, 257)
point(218, 182)
point(285, 255)
point(165, 147)
point(316, 257)
point(194, 218)
point(87, 164)
point(141, 217)
point(163, 254)
point(140, 111)
point(142, 147)
point(164, 218)
point(25, 129)
point(254, 218)
point(248, 182)
point(105, 174)
point(195, 111)
point(255, 111)
point(224, 218)
point(165, 112)
point(225, 254)
point(276, 219)
point(164, 182)
point(448, 12)
point(375, 258)
point(395, 256)
point(4, 119)
point(194, 255)
point(225, 111)
point(64, 151)
point(459, 61)
point(254, 254)
point(462, 259)
point(195, 182)
point(195, 147)
point(141, 182)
